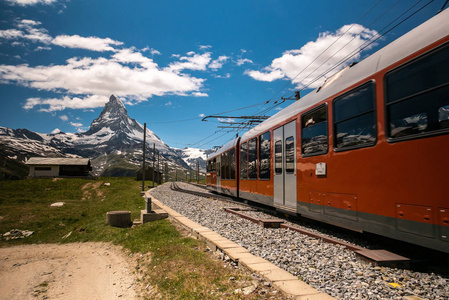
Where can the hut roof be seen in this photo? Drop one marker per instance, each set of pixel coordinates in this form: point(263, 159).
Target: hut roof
point(53, 161)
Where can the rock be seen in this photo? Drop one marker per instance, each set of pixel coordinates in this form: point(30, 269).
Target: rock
point(249, 289)
point(329, 268)
point(58, 204)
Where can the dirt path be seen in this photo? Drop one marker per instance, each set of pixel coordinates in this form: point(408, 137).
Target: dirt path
point(69, 271)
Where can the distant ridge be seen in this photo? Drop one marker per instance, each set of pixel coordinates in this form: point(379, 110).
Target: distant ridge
point(113, 142)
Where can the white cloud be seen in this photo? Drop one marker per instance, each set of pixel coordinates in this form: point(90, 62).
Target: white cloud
point(333, 47)
point(242, 61)
point(192, 62)
point(151, 50)
point(205, 47)
point(218, 63)
point(86, 83)
point(201, 115)
point(64, 118)
point(27, 23)
point(40, 48)
point(169, 103)
point(102, 77)
point(76, 124)
point(228, 120)
point(28, 31)
point(268, 74)
point(89, 43)
point(130, 56)
point(30, 2)
point(55, 104)
point(11, 34)
point(199, 94)
point(227, 75)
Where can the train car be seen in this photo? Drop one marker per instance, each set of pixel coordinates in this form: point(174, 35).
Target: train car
point(368, 150)
point(222, 165)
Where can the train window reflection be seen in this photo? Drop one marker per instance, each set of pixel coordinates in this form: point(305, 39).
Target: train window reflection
point(314, 132)
point(252, 158)
point(416, 97)
point(278, 157)
point(223, 166)
point(290, 155)
point(355, 119)
point(264, 155)
point(232, 163)
point(243, 161)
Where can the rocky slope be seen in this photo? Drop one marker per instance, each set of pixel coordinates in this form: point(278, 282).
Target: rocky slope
point(114, 143)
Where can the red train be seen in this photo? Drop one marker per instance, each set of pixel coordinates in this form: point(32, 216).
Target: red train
point(368, 150)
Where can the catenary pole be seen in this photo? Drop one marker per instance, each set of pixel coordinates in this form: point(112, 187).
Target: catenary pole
point(143, 163)
point(154, 158)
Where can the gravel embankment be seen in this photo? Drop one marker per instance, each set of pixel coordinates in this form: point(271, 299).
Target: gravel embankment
point(329, 268)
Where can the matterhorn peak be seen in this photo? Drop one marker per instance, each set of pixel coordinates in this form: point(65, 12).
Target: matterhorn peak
point(114, 105)
point(113, 116)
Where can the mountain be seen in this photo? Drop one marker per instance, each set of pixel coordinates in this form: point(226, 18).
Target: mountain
point(192, 156)
point(114, 143)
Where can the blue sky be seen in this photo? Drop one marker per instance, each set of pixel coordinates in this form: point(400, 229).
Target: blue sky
point(173, 62)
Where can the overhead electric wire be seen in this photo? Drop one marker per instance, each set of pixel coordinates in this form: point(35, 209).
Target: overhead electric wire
point(360, 34)
point(361, 18)
point(370, 42)
point(355, 51)
point(176, 121)
point(349, 56)
point(305, 68)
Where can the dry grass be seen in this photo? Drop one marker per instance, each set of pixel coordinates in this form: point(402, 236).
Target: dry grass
point(170, 265)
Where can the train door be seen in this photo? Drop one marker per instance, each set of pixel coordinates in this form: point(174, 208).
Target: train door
point(284, 139)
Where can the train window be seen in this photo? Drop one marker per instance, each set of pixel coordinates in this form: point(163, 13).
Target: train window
point(223, 165)
point(264, 156)
point(252, 158)
point(226, 154)
point(289, 155)
point(417, 104)
point(214, 165)
point(355, 118)
point(232, 163)
point(314, 139)
point(243, 161)
point(278, 157)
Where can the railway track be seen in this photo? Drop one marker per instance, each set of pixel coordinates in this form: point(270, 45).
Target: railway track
point(332, 269)
point(379, 257)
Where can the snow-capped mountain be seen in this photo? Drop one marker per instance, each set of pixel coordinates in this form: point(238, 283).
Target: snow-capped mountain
point(113, 142)
point(192, 156)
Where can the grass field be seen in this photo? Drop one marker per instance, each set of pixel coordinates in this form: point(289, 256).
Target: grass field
point(170, 265)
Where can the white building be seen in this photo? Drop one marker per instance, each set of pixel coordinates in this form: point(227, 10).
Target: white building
point(59, 167)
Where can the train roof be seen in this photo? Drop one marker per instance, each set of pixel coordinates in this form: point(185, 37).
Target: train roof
point(425, 34)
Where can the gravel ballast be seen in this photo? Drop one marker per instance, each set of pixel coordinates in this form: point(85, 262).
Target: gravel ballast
point(331, 269)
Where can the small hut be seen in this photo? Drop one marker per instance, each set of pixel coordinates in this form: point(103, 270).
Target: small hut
point(44, 167)
point(149, 175)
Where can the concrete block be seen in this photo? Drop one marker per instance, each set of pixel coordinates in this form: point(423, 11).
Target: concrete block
point(155, 215)
point(277, 274)
point(295, 288)
point(119, 218)
point(236, 253)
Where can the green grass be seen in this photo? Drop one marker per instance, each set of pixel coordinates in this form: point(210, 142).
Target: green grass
point(25, 205)
point(169, 264)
